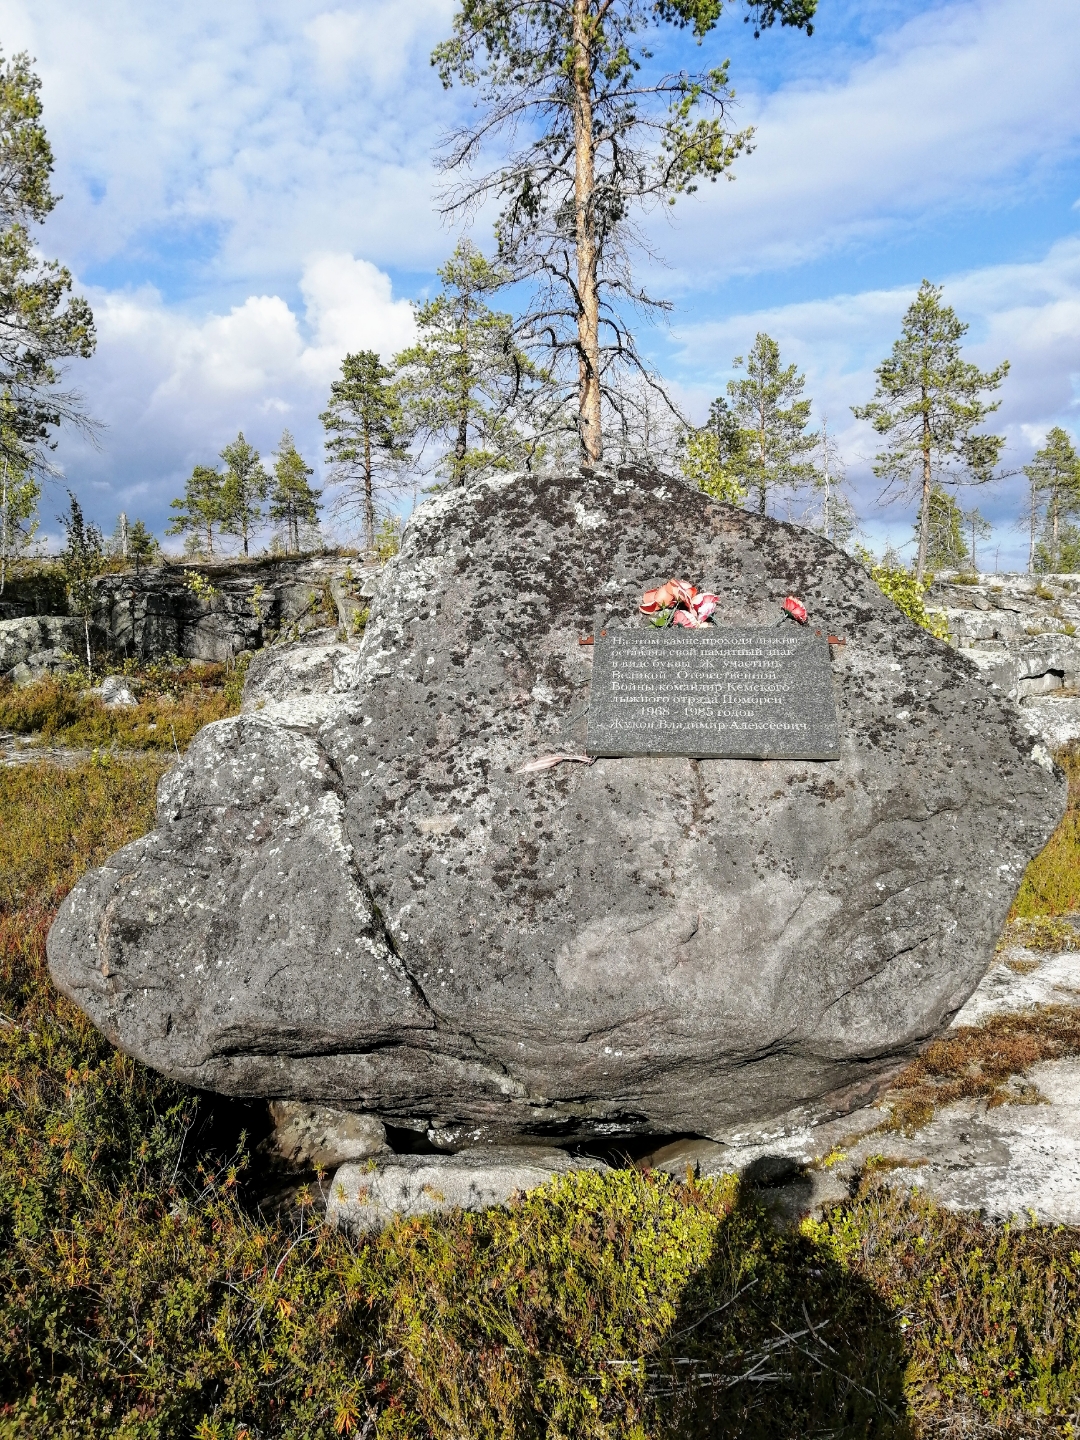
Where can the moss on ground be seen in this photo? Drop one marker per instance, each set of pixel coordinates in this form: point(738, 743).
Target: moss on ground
point(143, 1297)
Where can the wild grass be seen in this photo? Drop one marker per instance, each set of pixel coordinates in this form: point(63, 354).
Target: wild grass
point(983, 1062)
point(1051, 885)
point(174, 704)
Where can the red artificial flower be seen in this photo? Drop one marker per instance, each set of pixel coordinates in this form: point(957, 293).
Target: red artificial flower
point(796, 609)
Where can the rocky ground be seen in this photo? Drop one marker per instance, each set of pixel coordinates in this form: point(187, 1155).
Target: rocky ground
point(1022, 633)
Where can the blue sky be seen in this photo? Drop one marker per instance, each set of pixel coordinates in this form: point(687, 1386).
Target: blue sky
point(249, 192)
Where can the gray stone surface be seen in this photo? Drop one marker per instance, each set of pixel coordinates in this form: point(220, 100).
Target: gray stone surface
point(318, 1137)
point(159, 613)
point(372, 907)
point(117, 693)
point(1021, 632)
point(367, 1197)
point(40, 643)
point(757, 694)
point(1010, 1161)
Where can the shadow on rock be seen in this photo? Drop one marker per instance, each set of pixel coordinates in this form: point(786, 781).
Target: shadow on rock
point(774, 1339)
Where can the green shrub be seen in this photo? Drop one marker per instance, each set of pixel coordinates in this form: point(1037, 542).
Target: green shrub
point(900, 585)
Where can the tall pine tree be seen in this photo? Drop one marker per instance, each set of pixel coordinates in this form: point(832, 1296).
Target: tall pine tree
point(596, 136)
point(928, 405)
point(243, 485)
point(769, 410)
point(366, 437)
point(465, 384)
point(1054, 477)
point(199, 510)
point(292, 500)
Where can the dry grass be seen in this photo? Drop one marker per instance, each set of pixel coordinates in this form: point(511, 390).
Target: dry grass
point(980, 1061)
point(1044, 933)
point(57, 822)
point(174, 705)
point(1051, 886)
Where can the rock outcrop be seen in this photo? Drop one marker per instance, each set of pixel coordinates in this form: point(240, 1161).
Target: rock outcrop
point(235, 607)
point(1021, 632)
point(354, 896)
point(33, 646)
point(1011, 1160)
point(367, 1197)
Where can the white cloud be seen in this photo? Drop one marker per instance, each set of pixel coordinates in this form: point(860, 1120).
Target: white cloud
point(1026, 313)
point(958, 107)
point(173, 388)
point(244, 135)
point(350, 307)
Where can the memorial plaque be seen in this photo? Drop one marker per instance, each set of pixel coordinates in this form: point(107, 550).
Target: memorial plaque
point(762, 694)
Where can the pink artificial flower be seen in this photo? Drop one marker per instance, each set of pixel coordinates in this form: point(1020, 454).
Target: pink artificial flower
point(796, 609)
point(680, 593)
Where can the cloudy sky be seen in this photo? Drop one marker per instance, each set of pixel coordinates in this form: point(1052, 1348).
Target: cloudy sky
point(249, 192)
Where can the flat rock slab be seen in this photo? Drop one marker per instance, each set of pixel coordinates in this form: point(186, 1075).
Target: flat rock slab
point(1011, 1161)
point(355, 896)
point(368, 1197)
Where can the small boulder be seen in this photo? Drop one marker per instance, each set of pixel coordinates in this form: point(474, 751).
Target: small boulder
point(116, 692)
point(318, 1137)
point(368, 1197)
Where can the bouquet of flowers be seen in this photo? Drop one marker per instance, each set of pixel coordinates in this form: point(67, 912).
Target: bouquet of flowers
point(679, 603)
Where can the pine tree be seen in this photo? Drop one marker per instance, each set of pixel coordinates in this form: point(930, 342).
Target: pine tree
point(593, 139)
point(365, 436)
point(1054, 478)
point(41, 321)
point(465, 381)
point(20, 491)
point(836, 519)
point(979, 528)
point(81, 562)
point(292, 500)
point(200, 510)
point(928, 403)
point(769, 411)
point(712, 456)
point(243, 485)
point(946, 547)
point(142, 546)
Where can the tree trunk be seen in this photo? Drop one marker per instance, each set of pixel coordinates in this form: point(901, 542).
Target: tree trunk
point(89, 662)
point(588, 300)
point(1056, 550)
point(761, 459)
point(4, 531)
point(1034, 517)
point(924, 510)
point(369, 497)
point(461, 443)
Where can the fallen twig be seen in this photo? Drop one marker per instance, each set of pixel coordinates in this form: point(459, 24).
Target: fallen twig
point(547, 762)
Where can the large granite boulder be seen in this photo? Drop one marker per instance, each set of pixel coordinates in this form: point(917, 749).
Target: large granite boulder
point(355, 897)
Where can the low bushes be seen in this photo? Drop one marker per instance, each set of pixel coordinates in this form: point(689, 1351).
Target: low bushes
point(174, 704)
